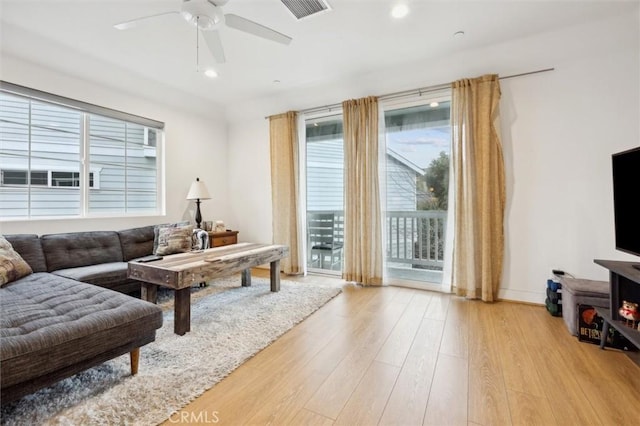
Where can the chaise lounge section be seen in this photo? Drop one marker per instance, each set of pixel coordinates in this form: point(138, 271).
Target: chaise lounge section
point(71, 313)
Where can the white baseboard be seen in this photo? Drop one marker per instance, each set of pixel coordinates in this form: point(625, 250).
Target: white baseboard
point(534, 297)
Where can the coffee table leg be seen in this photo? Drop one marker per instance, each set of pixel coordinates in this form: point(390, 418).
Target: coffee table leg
point(182, 314)
point(275, 275)
point(246, 277)
point(149, 292)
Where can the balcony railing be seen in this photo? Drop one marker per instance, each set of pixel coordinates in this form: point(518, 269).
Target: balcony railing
point(413, 238)
point(416, 238)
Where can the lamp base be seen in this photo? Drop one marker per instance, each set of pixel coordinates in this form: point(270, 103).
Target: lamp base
point(198, 214)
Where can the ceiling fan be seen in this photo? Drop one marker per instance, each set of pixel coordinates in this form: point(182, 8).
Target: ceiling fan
point(207, 16)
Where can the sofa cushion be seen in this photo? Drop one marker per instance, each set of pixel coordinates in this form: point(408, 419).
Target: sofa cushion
point(174, 240)
point(74, 249)
point(49, 322)
point(136, 242)
point(157, 228)
point(102, 274)
point(29, 247)
point(12, 265)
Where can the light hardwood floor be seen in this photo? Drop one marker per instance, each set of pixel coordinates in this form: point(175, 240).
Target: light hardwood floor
point(391, 355)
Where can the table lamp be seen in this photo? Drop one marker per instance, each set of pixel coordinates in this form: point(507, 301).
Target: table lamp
point(198, 191)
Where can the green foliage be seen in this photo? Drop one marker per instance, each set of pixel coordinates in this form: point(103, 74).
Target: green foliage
point(433, 187)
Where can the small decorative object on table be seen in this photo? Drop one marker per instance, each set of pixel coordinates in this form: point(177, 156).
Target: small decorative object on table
point(219, 226)
point(629, 311)
point(199, 240)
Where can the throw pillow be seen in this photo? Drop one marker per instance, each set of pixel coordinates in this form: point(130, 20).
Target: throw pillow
point(12, 265)
point(174, 240)
point(157, 229)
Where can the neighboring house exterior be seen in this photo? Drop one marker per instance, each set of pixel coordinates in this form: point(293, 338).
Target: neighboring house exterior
point(120, 157)
point(408, 232)
point(401, 185)
point(325, 180)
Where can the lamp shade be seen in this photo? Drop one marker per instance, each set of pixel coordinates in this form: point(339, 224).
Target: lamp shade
point(198, 191)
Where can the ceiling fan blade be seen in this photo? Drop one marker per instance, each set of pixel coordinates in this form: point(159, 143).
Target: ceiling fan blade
point(212, 37)
point(243, 24)
point(134, 22)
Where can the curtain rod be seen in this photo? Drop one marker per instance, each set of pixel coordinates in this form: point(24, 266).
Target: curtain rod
point(418, 92)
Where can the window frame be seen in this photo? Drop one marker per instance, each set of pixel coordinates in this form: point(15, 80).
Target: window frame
point(88, 178)
point(303, 119)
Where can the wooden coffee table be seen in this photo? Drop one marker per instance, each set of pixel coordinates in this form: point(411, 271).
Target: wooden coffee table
point(183, 270)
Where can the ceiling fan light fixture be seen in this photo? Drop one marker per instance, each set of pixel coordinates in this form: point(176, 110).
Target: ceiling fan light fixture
point(201, 14)
point(201, 21)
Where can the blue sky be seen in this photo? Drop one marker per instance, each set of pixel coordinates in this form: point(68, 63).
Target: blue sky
point(420, 146)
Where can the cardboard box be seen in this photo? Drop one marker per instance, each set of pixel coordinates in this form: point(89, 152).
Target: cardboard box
point(590, 326)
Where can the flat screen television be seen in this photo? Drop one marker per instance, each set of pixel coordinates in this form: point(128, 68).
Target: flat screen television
point(626, 200)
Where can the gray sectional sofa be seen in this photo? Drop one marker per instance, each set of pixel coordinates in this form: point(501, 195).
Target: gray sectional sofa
point(75, 310)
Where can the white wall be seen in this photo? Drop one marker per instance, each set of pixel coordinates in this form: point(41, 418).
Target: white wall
point(196, 146)
point(559, 131)
point(250, 180)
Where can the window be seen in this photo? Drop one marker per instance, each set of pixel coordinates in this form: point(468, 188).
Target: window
point(418, 143)
point(325, 192)
point(21, 177)
point(65, 179)
point(63, 158)
point(42, 178)
point(415, 143)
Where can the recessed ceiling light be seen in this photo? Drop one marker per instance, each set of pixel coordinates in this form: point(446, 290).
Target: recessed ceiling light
point(458, 34)
point(434, 104)
point(276, 81)
point(211, 73)
point(400, 11)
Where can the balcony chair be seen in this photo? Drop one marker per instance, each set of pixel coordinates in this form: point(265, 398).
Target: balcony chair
point(325, 240)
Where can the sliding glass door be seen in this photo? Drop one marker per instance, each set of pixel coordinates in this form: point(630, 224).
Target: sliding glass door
point(416, 136)
point(324, 169)
point(418, 148)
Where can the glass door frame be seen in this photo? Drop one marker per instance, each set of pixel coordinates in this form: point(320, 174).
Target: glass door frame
point(421, 99)
point(302, 172)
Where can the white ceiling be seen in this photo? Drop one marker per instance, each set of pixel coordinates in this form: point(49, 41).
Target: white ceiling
point(356, 37)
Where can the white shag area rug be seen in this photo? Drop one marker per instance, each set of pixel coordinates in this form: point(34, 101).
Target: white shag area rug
point(229, 324)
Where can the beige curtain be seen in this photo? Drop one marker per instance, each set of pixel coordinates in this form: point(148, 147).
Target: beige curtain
point(283, 135)
point(478, 169)
point(362, 213)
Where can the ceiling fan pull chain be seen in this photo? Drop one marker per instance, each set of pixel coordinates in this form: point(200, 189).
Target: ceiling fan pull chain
point(197, 45)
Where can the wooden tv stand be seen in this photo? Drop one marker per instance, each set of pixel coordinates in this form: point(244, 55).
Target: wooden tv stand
point(624, 284)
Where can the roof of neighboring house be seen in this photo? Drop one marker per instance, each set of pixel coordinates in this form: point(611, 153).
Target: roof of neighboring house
point(410, 164)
